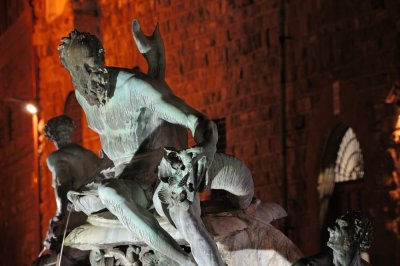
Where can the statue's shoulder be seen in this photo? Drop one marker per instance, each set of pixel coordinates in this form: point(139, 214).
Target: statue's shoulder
point(52, 158)
point(91, 155)
point(121, 74)
point(125, 81)
point(77, 150)
point(55, 158)
point(71, 149)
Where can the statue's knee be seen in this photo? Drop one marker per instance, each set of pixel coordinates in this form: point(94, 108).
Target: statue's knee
point(108, 191)
point(119, 191)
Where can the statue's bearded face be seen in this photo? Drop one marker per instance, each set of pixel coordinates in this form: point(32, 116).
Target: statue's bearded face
point(339, 236)
point(91, 80)
point(83, 56)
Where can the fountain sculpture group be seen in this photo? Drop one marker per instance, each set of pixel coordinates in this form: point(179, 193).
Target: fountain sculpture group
point(139, 204)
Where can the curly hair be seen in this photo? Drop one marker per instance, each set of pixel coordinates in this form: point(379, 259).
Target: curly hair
point(82, 54)
point(361, 228)
point(83, 43)
point(50, 129)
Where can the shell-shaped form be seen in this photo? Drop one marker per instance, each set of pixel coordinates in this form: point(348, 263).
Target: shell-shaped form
point(349, 162)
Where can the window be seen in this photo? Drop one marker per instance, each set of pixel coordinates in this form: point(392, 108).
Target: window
point(342, 162)
point(349, 162)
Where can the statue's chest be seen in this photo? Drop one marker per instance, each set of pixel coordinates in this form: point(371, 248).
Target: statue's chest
point(120, 119)
point(121, 123)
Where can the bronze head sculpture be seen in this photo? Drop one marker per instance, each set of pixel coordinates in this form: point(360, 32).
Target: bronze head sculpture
point(82, 54)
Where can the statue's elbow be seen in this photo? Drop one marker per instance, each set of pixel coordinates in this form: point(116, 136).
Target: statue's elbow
point(213, 132)
point(206, 132)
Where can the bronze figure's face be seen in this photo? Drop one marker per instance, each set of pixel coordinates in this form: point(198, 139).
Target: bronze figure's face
point(59, 129)
point(83, 56)
point(352, 230)
point(339, 236)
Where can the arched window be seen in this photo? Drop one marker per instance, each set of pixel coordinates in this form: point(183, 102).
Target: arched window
point(349, 162)
point(342, 162)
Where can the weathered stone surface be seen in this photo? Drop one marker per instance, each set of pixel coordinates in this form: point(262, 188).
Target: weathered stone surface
point(222, 226)
point(259, 244)
point(266, 212)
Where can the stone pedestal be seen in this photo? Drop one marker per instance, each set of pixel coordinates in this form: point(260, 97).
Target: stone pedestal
point(242, 237)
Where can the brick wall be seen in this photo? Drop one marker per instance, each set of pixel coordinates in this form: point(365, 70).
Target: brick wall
point(19, 214)
point(353, 45)
point(53, 20)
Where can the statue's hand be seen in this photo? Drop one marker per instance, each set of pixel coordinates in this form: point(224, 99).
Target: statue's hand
point(206, 137)
point(51, 242)
point(202, 158)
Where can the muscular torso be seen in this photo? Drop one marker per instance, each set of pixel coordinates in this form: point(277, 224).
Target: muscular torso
point(74, 165)
point(129, 130)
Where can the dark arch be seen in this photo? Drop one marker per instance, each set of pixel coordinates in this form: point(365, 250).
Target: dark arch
point(74, 110)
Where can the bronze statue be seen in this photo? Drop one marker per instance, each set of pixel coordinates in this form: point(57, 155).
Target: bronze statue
point(136, 116)
point(72, 167)
point(348, 237)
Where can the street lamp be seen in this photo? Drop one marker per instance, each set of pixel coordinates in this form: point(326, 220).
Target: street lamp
point(31, 108)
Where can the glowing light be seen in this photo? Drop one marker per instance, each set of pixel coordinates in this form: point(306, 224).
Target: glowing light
point(396, 132)
point(31, 108)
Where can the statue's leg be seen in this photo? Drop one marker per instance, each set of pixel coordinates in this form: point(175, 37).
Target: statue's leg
point(191, 227)
point(232, 175)
point(127, 201)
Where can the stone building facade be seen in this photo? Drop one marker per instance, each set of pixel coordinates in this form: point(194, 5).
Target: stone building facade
point(223, 58)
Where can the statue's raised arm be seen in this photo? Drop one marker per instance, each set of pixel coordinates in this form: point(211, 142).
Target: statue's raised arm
point(158, 98)
point(152, 48)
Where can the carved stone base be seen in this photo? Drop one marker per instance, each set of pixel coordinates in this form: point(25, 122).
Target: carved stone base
point(241, 236)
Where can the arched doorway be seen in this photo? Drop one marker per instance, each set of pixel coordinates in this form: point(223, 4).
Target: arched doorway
point(340, 179)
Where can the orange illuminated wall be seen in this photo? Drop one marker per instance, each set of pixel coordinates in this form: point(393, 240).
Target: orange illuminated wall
point(19, 213)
